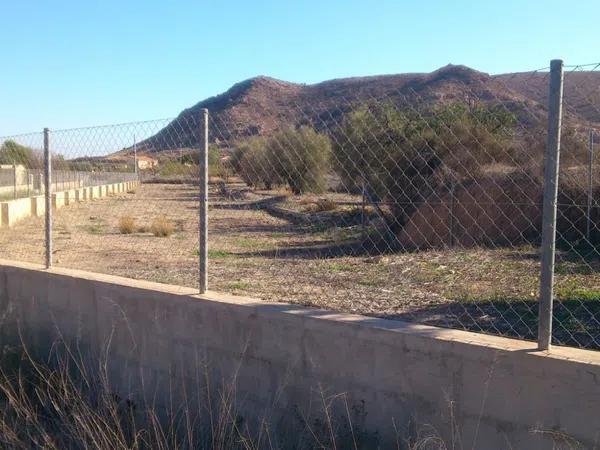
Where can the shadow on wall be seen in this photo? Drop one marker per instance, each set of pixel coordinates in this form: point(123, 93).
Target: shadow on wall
point(73, 398)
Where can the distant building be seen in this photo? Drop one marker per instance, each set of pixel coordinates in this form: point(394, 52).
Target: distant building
point(145, 162)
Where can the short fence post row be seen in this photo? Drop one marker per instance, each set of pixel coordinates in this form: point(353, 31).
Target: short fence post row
point(203, 219)
point(551, 168)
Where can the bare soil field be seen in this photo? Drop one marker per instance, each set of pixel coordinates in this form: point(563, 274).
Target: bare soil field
point(256, 249)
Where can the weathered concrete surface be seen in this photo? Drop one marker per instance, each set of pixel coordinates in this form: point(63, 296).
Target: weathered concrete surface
point(81, 194)
point(70, 197)
point(94, 192)
point(38, 206)
point(502, 392)
point(14, 210)
point(58, 200)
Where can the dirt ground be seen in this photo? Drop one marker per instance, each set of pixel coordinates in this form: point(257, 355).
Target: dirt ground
point(257, 251)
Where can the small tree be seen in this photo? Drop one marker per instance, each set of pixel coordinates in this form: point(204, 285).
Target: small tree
point(301, 158)
point(404, 155)
point(14, 153)
point(252, 163)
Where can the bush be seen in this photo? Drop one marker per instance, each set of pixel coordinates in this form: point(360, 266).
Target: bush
point(216, 167)
point(13, 153)
point(162, 227)
point(127, 225)
point(253, 164)
point(173, 168)
point(301, 158)
point(404, 156)
point(296, 157)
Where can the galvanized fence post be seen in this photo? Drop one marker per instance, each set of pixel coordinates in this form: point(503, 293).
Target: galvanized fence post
point(48, 196)
point(590, 187)
point(15, 180)
point(551, 167)
point(203, 219)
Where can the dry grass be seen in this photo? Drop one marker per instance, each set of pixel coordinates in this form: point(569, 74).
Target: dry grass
point(67, 400)
point(323, 205)
point(127, 225)
point(162, 227)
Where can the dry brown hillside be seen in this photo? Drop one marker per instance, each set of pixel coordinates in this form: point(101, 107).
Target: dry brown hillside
point(260, 105)
point(581, 91)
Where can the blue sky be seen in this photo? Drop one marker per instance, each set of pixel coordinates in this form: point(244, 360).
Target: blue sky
point(78, 63)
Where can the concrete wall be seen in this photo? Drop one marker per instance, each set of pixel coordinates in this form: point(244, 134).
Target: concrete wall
point(502, 392)
point(14, 210)
point(58, 200)
point(38, 205)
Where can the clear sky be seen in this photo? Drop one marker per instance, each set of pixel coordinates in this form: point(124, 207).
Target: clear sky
point(76, 63)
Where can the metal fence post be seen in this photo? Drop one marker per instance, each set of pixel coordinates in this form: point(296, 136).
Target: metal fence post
point(452, 209)
point(48, 196)
point(15, 180)
point(135, 162)
point(551, 166)
point(203, 237)
point(590, 188)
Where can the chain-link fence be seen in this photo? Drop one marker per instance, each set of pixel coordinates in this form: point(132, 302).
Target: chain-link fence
point(423, 198)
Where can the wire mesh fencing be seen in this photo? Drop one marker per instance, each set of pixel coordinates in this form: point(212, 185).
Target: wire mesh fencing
point(146, 231)
point(421, 200)
point(577, 284)
point(423, 203)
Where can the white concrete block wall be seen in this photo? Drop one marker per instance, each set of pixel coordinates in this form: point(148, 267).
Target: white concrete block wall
point(14, 210)
point(38, 206)
point(58, 200)
point(80, 194)
point(70, 197)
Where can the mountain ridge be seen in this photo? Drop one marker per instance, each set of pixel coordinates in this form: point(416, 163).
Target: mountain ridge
point(262, 104)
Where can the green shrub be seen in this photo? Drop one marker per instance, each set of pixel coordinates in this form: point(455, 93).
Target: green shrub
point(298, 158)
point(253, 163)
point(216, 167)
point(13, 153)
point(173, 168)
point(301, 158)
point(404, 156)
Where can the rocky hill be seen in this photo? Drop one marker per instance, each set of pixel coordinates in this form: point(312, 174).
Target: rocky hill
point(260, 105)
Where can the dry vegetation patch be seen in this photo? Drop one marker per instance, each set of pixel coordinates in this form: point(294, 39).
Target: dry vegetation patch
point(253, 252)
point(162, 227)
point(127, 225)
